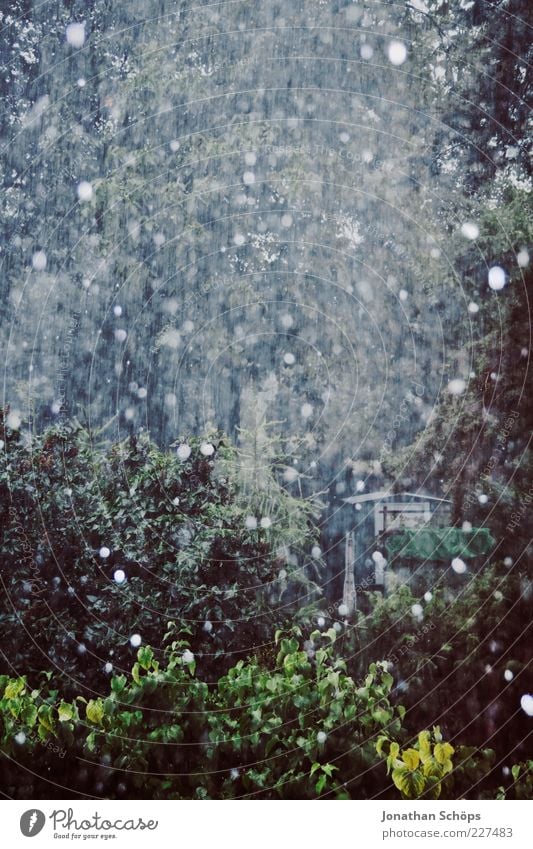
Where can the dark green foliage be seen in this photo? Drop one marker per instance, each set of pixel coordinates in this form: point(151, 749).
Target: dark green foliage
point(176, 528)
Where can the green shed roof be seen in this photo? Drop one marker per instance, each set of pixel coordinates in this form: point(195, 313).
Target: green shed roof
point(439, 543)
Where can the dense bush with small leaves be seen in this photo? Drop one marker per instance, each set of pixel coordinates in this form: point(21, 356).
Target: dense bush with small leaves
point(103, 544)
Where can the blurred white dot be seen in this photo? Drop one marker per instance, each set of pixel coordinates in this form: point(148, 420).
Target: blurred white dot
point(456, 386)
point(104, 552)
point(119, 576)
point(81, 82)
point(38, 260)
point(251, 523)
point(458, 566)
point(508, 675)
point(135, 641)
point(417, 610)
point(403, 295)
point(239, 239)
point(286, 220)
point(496, 278)
point(174, 145)
point(287, 321)
point(171, 399)
point(117, 311)
point(266, 522)
point(343, 610)
point(316, 552)
point(289, 359)
point(473, 308)
point(526, 703)
point(306, 411)
point(188, 656)
point(248, 178)
point(184, 451)
point(428, 596)
point(207, 449)
point(321, 737)
point(397, 52)
point(522, 258)
point(250, 158)
point(120, 335)
point(483, 498)
point(470, 230)
point(84, 190)
point(75, 34)
point(366, 52)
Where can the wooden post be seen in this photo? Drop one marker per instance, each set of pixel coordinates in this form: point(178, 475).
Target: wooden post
point(349, 595)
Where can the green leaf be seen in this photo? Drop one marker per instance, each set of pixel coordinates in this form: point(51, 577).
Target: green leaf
point(28, 715)
point(136, 673)
point(95, 711)
point(15, 688)
point(424, 743)
point(411, 758)
point(118, 682)
point(515, 771)
point(410, 784)
point(65, 712)
point(443, 752)
point(145, 656)
point(329, 769)
point(321, 783)
point(314, 768)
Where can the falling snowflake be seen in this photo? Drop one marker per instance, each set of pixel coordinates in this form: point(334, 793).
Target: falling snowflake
point(135, 641)
point(207, 449)
point(397, 52)
point(183, 451)
point(75, 35)
point(526, 703)
point(84, 190)
point(470, 230)
point(496, 278)
point(119, 576)
point(104, 552)
point(458, 566)
point(456, 386)
point(39, 260)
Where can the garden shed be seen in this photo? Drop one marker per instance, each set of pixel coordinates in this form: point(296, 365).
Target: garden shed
point(387, 538)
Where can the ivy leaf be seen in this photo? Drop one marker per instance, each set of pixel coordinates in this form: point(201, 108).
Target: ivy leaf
point(65, 712)
point(443, 752)
point(410, 784)
point(411, 758)
point(95, 711)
